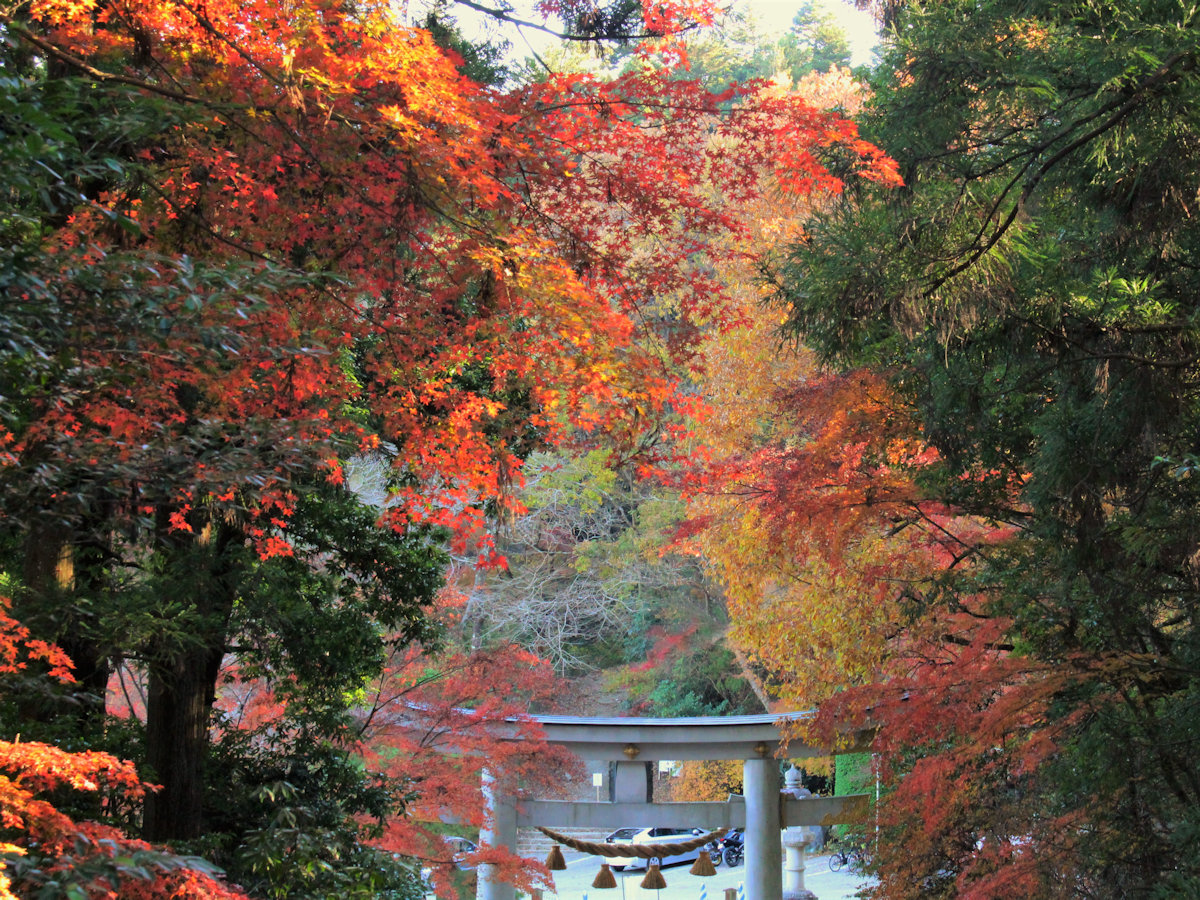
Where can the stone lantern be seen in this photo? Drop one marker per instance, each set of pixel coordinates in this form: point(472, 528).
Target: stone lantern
point(795, 839)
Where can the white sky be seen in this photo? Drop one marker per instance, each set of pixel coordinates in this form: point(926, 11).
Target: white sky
point(774, 17)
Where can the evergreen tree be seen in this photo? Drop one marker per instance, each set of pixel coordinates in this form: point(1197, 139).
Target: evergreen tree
point(1032, 290)
point(814, 42)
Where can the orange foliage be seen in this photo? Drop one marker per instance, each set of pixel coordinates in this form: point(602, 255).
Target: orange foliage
point(474, 266)
point(982, 718)
point(464, 229)
point(18, 649)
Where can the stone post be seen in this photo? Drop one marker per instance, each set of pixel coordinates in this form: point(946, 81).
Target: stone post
point(793, 888)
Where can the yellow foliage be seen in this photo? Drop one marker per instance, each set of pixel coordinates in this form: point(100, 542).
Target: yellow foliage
point(814, 624)
point(708, 779)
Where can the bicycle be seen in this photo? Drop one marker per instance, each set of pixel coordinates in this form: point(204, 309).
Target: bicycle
point(842, 857)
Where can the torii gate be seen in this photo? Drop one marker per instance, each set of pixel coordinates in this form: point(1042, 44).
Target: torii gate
point(632, 742)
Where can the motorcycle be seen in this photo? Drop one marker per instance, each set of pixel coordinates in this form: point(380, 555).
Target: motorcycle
point(732, 847)
point(713, 849)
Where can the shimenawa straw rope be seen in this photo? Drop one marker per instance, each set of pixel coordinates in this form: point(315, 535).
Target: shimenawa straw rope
point(641, 851)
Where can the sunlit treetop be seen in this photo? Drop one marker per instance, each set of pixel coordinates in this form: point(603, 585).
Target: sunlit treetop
point(350, 246)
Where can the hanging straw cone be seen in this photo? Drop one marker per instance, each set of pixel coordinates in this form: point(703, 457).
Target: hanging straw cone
point(604, 878)
point(653, 880)
point(703, 865)
point(554, 859)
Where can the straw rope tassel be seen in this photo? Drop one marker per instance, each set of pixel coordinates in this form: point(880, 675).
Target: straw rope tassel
point(654, 879)
point(703, 866)
point(604, 878)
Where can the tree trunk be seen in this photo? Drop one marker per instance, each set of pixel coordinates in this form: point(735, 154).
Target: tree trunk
point(182, 680)
point(59, 568)
point(180, 698)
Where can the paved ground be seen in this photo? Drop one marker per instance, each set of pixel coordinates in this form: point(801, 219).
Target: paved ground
point(576, 882)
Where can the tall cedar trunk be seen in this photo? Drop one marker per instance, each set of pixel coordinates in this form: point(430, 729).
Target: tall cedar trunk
point(57, 568)
point(83, 644)
point(182, 681)
point(180, 698)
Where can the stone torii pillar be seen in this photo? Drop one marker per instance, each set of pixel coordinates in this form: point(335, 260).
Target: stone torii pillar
point(764, 852)
point(500, 831)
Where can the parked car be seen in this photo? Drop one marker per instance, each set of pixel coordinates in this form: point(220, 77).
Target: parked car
point(459, 847)
point(653, 836)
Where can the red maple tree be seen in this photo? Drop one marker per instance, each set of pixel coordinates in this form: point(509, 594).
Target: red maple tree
point(323, 243)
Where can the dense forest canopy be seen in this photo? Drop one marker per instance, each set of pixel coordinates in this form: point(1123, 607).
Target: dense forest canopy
point(363, 387)
point(294, 294)
point(1030, 305)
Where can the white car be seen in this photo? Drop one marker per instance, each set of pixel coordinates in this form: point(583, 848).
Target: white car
point(459, 847)
point(653, 836)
